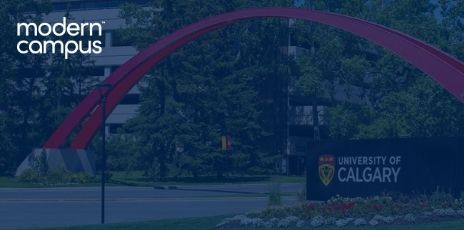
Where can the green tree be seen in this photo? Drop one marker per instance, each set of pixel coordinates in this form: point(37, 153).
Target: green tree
point(36, 91)
point(397, 99)
point(211, 87)
point(65, 82)
point(19, 85)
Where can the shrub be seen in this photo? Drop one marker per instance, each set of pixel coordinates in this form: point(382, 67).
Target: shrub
point(275, 196)
point(80, 178)
point(301, 196)
point(29, 176)
point(339, 207)
point(41, 173)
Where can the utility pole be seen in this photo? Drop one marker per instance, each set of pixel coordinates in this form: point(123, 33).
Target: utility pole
point(104, 95)
point(315, 115)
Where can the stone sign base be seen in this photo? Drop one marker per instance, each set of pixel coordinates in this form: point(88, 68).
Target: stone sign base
point(71, 160)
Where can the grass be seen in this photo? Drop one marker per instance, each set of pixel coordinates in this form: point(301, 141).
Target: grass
point(8, 182)
point(11, 182)
point(175, 224)
point(136, 178)
point(210, 223)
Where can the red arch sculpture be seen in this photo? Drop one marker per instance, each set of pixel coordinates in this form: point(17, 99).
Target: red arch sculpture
point(443, 68)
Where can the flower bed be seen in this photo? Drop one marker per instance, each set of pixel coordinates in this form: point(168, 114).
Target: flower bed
point(338, 211)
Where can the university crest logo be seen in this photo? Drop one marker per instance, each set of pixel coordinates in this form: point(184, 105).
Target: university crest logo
point(326, 168)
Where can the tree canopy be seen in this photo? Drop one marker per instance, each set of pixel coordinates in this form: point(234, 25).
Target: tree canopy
point(235, 82)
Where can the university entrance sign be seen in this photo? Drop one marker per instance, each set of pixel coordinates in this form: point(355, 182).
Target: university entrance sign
point(372, 167)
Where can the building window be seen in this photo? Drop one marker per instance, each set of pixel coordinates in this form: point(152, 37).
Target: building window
point(96, 71)
point(91, 5)
point(113, 128)
point(130, 99)
point(118, 39)
point(85, 39)
point(113, 68)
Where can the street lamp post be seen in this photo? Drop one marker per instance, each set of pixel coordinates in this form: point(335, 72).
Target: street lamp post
point(104, 96)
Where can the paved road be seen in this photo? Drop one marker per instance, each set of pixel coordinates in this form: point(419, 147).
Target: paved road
point(49, 207)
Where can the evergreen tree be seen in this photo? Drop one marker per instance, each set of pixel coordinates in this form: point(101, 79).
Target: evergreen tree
point(399, 100)
point(211, 87)
point(19, 84)
point(36, 91)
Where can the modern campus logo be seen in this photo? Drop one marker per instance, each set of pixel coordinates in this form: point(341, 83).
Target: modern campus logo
point(62, 37)
point(326, 168)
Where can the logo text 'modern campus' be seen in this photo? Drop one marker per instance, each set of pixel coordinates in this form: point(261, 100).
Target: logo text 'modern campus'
point(77, 31)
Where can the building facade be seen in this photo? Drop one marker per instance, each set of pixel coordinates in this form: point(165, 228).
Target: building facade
point(115, 51)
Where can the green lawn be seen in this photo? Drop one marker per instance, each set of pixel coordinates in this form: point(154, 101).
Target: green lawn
point(181, 224)
point(136, 178)
point(11, 182)
point(7, 182)
point(210, 223)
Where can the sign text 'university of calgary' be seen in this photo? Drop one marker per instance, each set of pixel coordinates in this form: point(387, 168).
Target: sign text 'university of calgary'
point(359, 169)
point(372, 167)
